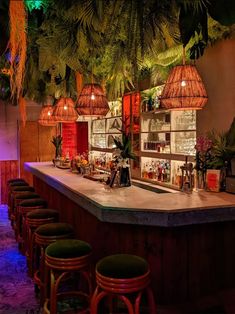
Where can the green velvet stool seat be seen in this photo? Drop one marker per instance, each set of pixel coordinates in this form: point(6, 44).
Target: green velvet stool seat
point(124, 277)
point(17, 183)
point(23, 208)
point(43, 236)
point(22, 188)
point(15, 180)
point(33, 220)
point(64, 259)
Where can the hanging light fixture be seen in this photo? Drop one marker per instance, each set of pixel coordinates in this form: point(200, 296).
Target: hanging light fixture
point(184, 89)
point(65, 111)
point(92, 101)
point(46, 116)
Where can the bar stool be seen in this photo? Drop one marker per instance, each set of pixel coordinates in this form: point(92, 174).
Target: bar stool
point(123, 276)
point(23, 208)
point(18, 197)
point(33, 220)
point(43, 236)
point(11, 186)
point(63, 259)
point(13, 191)
point(16, 182)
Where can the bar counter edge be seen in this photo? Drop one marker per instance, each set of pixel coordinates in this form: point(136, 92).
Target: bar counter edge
point(134, 205)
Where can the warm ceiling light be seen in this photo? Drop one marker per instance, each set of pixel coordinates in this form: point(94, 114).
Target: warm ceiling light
point(184, 94)
point(65, 110)
point(92, 101)
point(183, 83)
point(184, 89)
point(46, 118)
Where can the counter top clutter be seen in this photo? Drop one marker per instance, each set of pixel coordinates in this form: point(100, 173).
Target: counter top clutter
point(135, 205)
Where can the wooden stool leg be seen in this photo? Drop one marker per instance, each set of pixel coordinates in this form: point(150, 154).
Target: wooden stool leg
point(87, 276)
point(46, 290)
point(97, 297)
point(23, 235)
point(42, 277)
point(151, 301)
point(53, 300)
point(128, 304)
point(137, 303)
point(29, 250)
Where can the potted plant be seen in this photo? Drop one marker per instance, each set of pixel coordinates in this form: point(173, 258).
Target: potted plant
point(123, 154)
point(57, 142)
point(223, 151)
point(148, 97)
point(202, 160)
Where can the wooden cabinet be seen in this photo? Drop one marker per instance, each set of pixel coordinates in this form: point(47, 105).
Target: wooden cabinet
point(35, 145)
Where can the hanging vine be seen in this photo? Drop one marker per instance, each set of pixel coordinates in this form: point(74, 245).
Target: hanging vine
point(17, 46)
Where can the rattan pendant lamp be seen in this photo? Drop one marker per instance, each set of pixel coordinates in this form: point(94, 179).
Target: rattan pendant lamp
point(46, 116)
point(65, 111)
point(92, 101)
point(184, 89)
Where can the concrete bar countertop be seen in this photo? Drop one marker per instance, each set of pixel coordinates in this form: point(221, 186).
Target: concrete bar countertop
point(135, 205)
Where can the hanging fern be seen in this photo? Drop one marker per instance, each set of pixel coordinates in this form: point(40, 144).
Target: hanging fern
point(115, 40)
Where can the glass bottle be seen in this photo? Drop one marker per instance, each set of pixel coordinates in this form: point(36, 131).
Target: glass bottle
point(144, 172)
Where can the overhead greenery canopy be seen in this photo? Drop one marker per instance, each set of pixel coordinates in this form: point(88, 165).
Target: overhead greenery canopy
point(117, 43)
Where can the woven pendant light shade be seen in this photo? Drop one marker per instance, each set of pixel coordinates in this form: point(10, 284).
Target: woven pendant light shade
point(46, 118)
point(65, 110)
point(184, 89)
point(92, 101)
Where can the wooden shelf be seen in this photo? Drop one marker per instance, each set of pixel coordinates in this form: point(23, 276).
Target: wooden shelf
point(155, 111)
point(102, 150)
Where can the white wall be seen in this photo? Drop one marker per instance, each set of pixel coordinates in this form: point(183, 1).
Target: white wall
point(217, 68)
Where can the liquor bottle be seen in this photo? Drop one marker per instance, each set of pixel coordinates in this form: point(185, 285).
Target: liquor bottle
point(144, 172)
point(150, 173)
point(178, 176)
point(159, 172)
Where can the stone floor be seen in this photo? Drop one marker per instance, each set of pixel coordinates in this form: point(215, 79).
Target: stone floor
point(16, 288)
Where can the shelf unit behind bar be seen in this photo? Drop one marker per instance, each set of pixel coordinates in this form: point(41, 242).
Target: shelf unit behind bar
point(163, 141)
point(167, 137)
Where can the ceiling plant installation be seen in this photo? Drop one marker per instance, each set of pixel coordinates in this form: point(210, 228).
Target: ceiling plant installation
point(119, 42)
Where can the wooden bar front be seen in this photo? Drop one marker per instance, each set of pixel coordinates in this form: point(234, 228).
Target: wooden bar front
point(188, 262)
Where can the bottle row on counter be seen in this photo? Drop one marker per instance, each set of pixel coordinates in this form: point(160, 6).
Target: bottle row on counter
point(161, 171)
point(156, 170)
point(160, 147)
point(152, 169)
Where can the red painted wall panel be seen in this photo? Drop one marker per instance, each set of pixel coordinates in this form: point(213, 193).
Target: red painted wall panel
point(82, 137)
point(69, 134)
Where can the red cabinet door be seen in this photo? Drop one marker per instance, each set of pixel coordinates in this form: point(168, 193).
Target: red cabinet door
point(82, 137)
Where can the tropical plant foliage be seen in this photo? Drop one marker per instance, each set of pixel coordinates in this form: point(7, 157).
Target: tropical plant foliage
point(223, 147)
point(115, 42)
point(57, 142)
point(124, 146)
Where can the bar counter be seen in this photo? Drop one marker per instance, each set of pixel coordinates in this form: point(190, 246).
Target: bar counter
point(188, 239)
point(135, 205)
